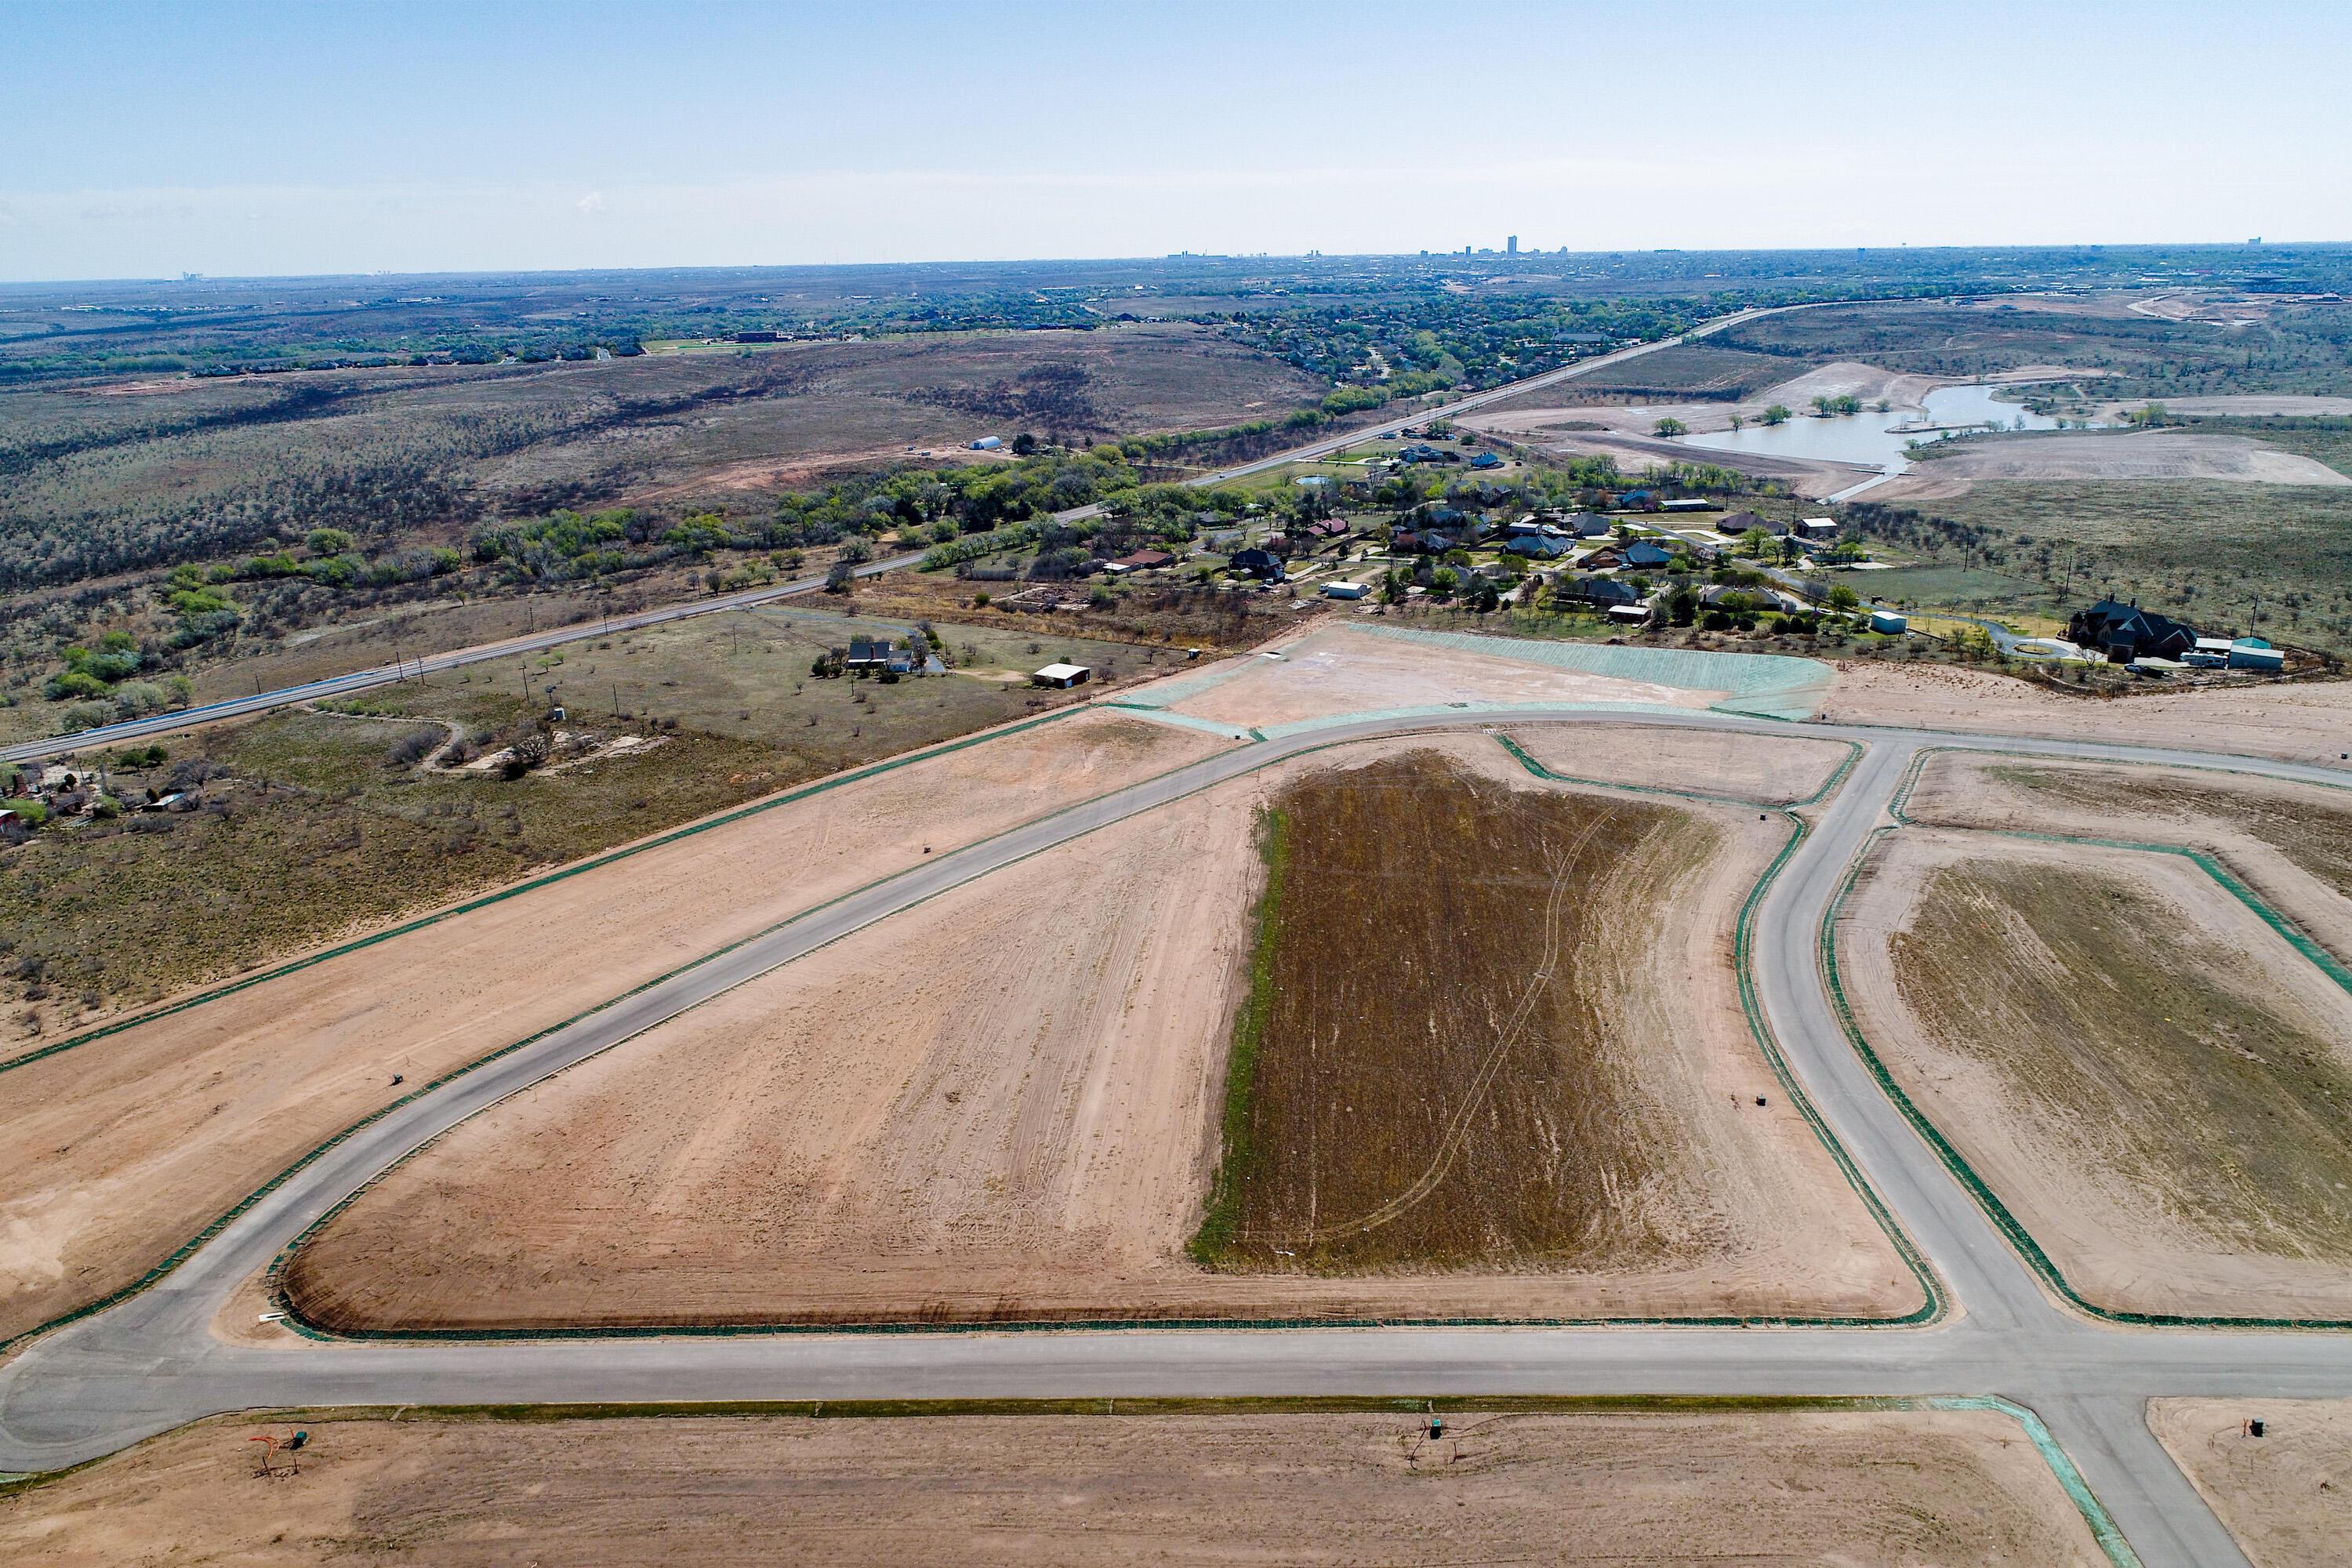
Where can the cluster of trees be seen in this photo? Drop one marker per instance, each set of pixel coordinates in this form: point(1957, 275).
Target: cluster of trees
point(110, 681)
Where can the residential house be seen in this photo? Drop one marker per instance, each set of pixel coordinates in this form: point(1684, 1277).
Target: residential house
point(2126, 632)
point(1602, 590)
point(1263, 564)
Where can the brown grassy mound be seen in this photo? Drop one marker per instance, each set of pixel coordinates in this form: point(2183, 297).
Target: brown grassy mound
point(2146, 1075)
point(1437, 1078)
point(1768, 1489)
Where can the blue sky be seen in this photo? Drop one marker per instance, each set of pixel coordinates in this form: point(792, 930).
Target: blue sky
point(140, 141)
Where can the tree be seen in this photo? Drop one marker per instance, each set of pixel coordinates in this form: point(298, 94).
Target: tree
point(328, 542)
point(1777, 414)
point(1755, 541)
point(1484, 598)
point(1737, 421)
point(1024, 444)
point(1670, 427)
point(1844, 598)
point(840, 579)
point(1392, 587)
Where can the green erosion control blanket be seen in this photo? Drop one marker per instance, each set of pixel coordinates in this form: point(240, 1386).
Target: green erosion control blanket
point(1767, 685)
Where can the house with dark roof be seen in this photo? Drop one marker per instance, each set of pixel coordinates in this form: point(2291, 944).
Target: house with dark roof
point(2126, 632)
point(1486, 460)
point(1602, 590)
point(1263, 564)
point(1538, 546)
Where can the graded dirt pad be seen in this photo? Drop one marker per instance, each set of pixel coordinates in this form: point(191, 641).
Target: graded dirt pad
point(1768, 769)
point(2291, 843)
point(1002, 1104)
point(1925, 1489)
point(2304, 721)
point(2125, 455)
point(2286, 1495)
point(1342, 671)
point(113, 1153)
point(2146, 1075)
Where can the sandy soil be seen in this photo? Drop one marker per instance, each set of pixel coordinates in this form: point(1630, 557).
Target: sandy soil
point(2286, 1495)
point(2308, 721)
point(114, 1152)
point(1765, 769)
point(1343, 671)
point(2126, 455)
point(2130, 1232)
point(2158, 805)
point(1020, 1123)
point(1925, 1489)
point(2239, 405)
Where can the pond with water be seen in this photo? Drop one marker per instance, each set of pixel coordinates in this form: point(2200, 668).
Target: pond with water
point(1873, 440)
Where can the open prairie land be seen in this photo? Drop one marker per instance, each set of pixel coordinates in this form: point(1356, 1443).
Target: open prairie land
point(2146, 1075)
point(1773, 1487)
point(411, 455)
point(2286, 1495)
point(2291, 843)
point(317, 824)
point(1005, 1103)
point(115, 1152)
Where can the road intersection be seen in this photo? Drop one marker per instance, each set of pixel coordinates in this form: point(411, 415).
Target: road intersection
point(156, 1359)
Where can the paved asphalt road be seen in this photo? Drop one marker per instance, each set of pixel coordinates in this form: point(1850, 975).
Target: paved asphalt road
point(153, 1362)
point(385, 675)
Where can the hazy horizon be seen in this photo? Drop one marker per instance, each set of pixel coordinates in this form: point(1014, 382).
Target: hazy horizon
point(284, 141)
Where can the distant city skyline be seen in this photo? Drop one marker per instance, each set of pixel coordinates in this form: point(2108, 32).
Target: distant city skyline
point(146, 141)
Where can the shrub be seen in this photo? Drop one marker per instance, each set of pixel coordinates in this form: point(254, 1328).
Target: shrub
point(84, 716)
point(72, 683)
point(137, 699)
point(328, 542)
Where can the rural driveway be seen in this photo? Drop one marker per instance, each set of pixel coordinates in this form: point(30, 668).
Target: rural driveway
point(153, 1362)
point(428, 664)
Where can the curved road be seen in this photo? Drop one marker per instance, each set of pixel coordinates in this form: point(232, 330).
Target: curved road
point(429, 664)
point(153, 1362)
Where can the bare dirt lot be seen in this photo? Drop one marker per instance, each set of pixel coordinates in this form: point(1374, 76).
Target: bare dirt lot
point(2143, 1071)
point(113, 1153)
point(2291, 843)
point(1765, 769)
point(1339, 671)
point(2286, 1495)
point(1002, 1104)
point(2119, 455)
point(2306, 722)
point(1775, 1488)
